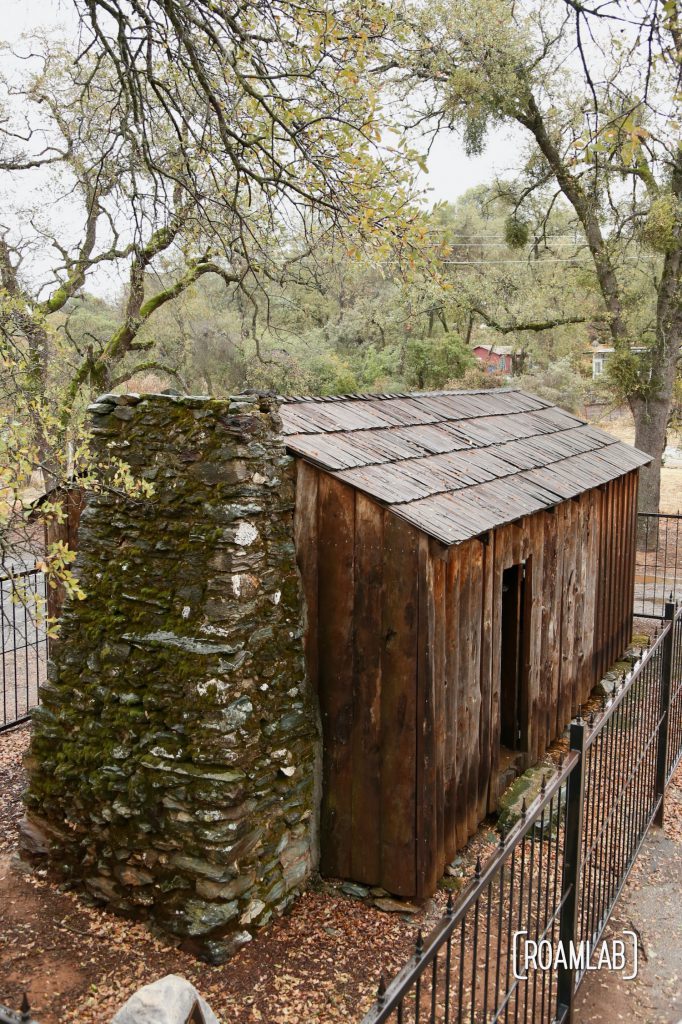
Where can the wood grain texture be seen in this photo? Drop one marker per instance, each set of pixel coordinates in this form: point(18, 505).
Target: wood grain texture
point(465, 668)
point(336, 539)
point(486, 675)
point(398, 707)
point(438, 559)
point(453, 653)
point(633, 551)
point(427, 809)
point(550, 625)
point(501, 554)
point(367, 723)
point(306, 542)
point(567, 631)
point(537, 729)
point(578, 681)
point(591, 577)
point(472, 640)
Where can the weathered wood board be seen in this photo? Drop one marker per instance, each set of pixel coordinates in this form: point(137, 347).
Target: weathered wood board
point(404, 648)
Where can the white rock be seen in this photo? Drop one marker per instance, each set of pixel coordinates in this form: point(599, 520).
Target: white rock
point(206, 685)
point(166, 1001)
point(246, 534)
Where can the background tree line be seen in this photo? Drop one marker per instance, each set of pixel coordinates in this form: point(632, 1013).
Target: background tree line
point(348, 325)
point(215, 197)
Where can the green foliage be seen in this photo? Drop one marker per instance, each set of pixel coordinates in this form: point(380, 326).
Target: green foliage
point(474, 133)
point(432, 362)
point(516, 232)
point(662, 226)
point(30, 437)
point(348, 326)
point(475, 378)
point(322, 373)
point(630, 373)
point(604, 151)
point(558, 383)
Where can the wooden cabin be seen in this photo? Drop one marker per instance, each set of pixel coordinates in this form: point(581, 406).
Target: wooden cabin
point(468, 561)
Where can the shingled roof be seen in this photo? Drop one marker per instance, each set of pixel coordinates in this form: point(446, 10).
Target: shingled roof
point(456, 463)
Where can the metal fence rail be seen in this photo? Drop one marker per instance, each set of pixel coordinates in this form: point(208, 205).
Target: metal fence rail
point(23, 644)
point(674, 752)
point(558, 873)
point(622, 792)
point(658, 566)
point(22, 1016)
point(464, 970)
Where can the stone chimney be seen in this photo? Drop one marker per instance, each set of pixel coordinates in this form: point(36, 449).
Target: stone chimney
point(173, 767)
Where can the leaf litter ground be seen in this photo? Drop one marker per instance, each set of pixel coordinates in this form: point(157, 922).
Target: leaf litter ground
point(317, 965)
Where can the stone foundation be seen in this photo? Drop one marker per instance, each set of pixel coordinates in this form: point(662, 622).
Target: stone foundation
point(174, 758)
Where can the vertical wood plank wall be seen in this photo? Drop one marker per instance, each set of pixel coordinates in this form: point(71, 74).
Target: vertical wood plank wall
point(404, 646)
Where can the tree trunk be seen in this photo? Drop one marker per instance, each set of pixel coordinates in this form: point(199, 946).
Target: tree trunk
point(651, 403)
point(650, 429)
point(651, 421)
point(37, 377)
point(652, 414)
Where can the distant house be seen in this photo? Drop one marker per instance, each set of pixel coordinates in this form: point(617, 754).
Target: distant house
point(602, 353)
point(495, 358)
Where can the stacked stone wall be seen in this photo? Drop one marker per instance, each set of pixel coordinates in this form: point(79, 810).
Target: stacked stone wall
point(173, 764)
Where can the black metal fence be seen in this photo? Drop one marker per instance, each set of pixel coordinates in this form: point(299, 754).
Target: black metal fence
point(23, 643)
point(658, 568)
point(557, 874)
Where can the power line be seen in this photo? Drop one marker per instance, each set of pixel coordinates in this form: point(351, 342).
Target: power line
point(484, 234)
point(538, 263)
point(498, 245)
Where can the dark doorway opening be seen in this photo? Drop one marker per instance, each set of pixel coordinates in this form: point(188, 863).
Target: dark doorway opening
point(516, 585)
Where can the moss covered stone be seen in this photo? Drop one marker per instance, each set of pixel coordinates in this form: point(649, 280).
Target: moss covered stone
point(173, 758)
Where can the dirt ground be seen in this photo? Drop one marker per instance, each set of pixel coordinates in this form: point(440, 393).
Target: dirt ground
point(318, 965)
point(321, 963)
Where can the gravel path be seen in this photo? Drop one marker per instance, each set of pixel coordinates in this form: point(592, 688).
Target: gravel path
point(650, 906)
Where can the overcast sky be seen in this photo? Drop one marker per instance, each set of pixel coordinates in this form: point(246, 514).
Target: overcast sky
point(451, 172)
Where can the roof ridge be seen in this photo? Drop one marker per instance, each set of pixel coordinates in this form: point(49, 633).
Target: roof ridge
point(366, 396)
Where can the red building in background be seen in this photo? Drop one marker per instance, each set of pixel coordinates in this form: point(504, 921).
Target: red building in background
point(496, 358)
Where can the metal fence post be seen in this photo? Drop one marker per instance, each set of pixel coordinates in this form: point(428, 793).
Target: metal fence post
point(664, 715)
point(570, 884)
